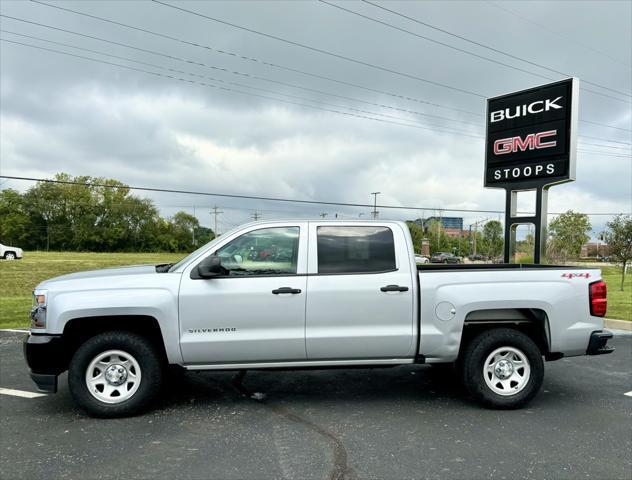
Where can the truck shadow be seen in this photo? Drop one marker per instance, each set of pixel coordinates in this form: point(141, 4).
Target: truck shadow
point(403, 384)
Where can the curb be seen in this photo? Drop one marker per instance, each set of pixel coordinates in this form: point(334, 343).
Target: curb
point(618, 324)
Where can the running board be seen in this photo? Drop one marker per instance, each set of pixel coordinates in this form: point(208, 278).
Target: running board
point(302, 364)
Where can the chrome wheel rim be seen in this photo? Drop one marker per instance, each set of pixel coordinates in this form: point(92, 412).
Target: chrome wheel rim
point(506, 371)
point(113, 376)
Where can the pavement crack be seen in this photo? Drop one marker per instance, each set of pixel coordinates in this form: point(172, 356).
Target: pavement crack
point(341, 470)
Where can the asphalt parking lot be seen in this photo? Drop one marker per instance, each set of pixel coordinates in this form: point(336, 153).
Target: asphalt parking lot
point(404, 422)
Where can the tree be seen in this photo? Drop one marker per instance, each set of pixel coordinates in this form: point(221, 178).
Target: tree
point(81, 216)
point(493, 238)
point(618, 236)
point(14, 220)
point(568, 232)
point(417, 234)
point(438, 239)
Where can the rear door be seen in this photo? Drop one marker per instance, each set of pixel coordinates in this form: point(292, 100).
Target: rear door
point(360, 301)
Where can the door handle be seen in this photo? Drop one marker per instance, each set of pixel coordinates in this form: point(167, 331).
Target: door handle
point(282, 290)
point(394, 288)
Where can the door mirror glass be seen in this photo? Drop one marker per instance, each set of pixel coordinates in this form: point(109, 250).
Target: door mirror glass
point(211, 267)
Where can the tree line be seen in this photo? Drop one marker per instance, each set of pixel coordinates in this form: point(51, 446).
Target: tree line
point(101, 215)
point(108, 218)
point(487, 242)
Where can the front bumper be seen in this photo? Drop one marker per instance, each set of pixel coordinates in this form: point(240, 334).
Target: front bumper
point(46, 357)
point(597, 344)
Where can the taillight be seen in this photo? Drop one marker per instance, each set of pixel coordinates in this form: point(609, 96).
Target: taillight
point(598, 300)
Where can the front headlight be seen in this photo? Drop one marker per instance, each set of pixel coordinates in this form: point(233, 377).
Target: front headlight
point(38, 311)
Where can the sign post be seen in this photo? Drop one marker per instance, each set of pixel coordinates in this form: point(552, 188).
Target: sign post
point(531, 144)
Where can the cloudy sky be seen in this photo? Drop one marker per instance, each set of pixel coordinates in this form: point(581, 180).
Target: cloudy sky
point(196, 104)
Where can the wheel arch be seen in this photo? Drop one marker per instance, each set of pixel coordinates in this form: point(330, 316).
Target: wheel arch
point(533, 322)
point(79, 330)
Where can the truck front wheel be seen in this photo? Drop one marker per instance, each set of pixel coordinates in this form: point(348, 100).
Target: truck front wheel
point(115, 374)
point(502, 368)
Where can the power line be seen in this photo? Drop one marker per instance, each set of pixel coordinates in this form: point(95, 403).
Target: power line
point(515, 57)
point(440, 129)
point(213, 67)
point(368, 64)
point(247, 58)
point(322, 51)
point(194, 82)
point(433, 127)
point(487, 58)
point(584, 45)
point(362, 62)
point(605, 125)
point(251, 59)
point(611, 141)
point(188, 61)
point(269, 199)
point(428, 39)
point(605, 154)
point(605, 146)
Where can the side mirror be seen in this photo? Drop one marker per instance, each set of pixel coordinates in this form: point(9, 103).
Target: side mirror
point(211, 267)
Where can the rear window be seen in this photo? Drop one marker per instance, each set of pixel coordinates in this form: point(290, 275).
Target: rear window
point(355, 249)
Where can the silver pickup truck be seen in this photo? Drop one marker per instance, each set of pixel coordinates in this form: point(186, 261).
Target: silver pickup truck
point(295, 294)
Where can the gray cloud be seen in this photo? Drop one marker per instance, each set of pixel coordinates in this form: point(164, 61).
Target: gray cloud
point(60, 113)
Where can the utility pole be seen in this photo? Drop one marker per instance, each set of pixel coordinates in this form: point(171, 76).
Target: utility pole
point(475, 225)
point(216, 212)
point(193, 229)
point(439, 225)
point(256, 215)
point(374, 213)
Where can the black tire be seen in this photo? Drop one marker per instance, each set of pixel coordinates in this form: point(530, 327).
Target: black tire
point(9, 256)
point(473, 366)
point(141, 349)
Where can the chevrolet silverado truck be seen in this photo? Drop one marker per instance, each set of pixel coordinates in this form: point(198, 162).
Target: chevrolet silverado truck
point(310, 294)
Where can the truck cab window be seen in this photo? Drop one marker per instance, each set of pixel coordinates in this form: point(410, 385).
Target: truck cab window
point(268, 251)
point(355, 249)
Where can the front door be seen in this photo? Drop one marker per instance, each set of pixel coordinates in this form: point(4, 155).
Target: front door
point(256, 311)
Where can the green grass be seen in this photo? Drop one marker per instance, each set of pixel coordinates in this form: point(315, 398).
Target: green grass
point(19, 277)
point(619, 303)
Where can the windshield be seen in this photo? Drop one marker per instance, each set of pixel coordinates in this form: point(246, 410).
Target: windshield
point(190, 256)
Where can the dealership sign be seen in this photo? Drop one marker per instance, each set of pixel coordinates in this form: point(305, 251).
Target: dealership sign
point(532, 136)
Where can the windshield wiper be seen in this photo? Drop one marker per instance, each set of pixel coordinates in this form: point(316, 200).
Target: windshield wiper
point(164, 267)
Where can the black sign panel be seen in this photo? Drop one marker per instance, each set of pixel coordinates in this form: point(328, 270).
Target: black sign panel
point(531, 136)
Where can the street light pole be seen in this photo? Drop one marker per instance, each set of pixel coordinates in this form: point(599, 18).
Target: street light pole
point(374, 212)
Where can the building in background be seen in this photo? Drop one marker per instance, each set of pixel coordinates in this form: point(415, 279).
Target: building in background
point(594, 249)
point(453, 226)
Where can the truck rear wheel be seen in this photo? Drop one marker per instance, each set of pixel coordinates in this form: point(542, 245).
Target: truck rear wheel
point(502, 368)
point(115, 374)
